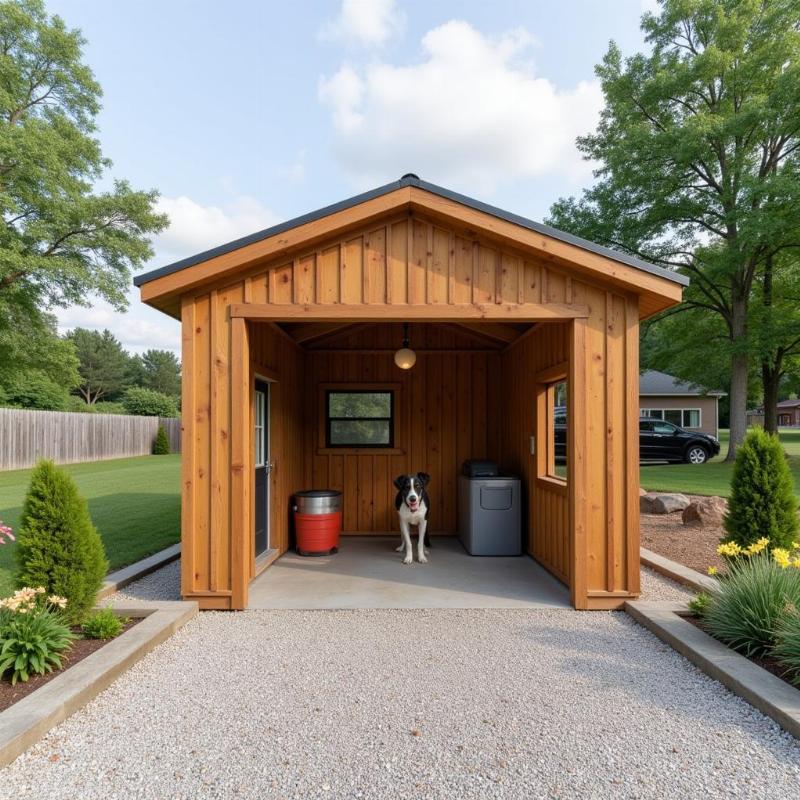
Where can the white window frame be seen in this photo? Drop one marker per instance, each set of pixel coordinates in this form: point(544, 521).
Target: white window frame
point(658, 413)
point(260, 418)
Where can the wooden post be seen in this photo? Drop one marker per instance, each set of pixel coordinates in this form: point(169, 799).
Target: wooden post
point(576, 443)
point(241, 531)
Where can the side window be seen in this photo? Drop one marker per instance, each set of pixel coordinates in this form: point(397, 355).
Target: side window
point(645, 426)
point(552, 425)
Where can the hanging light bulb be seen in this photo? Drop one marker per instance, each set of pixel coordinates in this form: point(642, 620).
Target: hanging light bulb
point(405, 357)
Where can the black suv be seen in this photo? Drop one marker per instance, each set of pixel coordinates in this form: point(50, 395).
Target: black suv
point(658, 441)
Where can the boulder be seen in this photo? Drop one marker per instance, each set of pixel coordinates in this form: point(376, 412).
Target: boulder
point(705, 512)
point(652, 503)
point(642, 492)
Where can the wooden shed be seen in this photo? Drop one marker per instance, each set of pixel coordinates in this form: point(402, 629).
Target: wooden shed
point(516, 327)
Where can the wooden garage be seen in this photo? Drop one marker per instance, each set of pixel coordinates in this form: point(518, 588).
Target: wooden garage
point(517, 328)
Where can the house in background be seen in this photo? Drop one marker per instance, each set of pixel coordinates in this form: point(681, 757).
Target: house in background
point(663, 397)
point(789, 413)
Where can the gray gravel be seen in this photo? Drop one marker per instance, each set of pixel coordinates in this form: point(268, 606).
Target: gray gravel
point(412, 704)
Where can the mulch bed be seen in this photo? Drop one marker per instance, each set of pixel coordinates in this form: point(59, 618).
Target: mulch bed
point(765, 662)
point(80, 649)
point(690, 545)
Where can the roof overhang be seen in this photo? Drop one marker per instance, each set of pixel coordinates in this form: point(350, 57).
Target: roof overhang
point(658, 288)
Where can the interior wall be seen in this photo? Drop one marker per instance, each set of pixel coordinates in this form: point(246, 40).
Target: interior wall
point(446, 411)
point(274, 356)
point(546, 509)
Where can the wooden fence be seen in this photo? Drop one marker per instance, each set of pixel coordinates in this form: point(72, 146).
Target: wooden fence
point(67, 437)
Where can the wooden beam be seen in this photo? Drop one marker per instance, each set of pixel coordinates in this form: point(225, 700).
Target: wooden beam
point(467, 312)
point(304, 334)
point(494, 331)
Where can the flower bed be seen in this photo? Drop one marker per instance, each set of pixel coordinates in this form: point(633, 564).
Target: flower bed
point(755, 607)
point(81, 648)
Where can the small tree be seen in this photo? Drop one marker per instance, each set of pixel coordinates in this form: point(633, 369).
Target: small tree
point(762, 502)
point(58, 547)
point(147, 403)
point(161, 444)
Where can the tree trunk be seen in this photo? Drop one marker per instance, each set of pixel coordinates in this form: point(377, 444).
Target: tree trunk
point(770, 372)
point(740, 363)
point(771, 378)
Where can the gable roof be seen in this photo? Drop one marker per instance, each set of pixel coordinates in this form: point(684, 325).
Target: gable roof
point(789, 403)
point(654, 383)
point(411, 180)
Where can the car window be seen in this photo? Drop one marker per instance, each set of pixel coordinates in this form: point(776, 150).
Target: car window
point(645, 426)
point(664, 427)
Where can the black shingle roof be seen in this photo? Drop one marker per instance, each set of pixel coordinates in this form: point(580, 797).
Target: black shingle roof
point(412, 180)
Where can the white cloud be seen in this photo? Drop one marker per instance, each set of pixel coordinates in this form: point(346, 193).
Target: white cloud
point(365, 22)
point(472, 111)
point(193, 228)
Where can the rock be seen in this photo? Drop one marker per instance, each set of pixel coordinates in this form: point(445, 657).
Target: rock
point(652, 503)
point(642, 492)
point(705, 512)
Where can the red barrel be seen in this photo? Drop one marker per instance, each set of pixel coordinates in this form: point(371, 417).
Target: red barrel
point(317, 521)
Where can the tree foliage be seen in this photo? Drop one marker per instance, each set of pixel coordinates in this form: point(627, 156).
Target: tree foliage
point(147, 403)
point(161, 443)
point(57, 545)
point(158, 370)
point(61, 242)
point(103, 364)
point(698, 149)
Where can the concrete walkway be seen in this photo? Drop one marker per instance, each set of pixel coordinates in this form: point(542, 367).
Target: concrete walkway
point(368, 573)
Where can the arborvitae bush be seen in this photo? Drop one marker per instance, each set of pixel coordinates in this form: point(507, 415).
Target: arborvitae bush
point(762, 501)
point(161, 444)
point(57, 545)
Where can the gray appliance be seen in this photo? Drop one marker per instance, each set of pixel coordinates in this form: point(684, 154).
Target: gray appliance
point(489, 510)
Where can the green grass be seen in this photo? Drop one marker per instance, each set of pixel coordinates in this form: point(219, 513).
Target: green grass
point(713, 477)
point(134, 502)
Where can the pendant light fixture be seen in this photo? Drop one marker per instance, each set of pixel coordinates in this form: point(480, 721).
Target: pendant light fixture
point(405, 357)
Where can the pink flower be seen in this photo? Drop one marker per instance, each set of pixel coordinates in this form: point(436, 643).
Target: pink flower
point(5, 533)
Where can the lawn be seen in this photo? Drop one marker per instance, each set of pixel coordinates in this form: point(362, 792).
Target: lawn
point(713, 477)
point(134, 502)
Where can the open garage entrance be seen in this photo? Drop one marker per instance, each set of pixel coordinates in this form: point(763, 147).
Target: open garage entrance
point(514, 324)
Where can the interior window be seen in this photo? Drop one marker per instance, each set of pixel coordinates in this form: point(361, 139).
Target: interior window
point(359, 418)
point(552, 459)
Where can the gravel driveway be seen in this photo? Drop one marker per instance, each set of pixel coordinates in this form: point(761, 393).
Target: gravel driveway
point(411, 704)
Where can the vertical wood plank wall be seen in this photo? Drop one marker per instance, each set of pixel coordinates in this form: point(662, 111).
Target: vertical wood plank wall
point(453, 401)
point(546, 510)
point(446, 408)
point(213, 518)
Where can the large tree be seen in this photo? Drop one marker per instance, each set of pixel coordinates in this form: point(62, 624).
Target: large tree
point(103, 364)
point(158, 370)
point(61, 241)
point(698, 150)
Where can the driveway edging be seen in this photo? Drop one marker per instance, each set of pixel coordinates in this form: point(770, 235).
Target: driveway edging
point(122, 577)
point(27, 721)
point(676, 572)
point(763, 690)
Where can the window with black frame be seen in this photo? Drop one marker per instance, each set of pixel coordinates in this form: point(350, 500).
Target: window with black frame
point(359, 418)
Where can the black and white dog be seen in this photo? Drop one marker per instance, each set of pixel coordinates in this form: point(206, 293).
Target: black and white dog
point(412, 508)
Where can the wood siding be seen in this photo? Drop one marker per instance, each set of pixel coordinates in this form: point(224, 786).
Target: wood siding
point(412, 261)
point(453, 405)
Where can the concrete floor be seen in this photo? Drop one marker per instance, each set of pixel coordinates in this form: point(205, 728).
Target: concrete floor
point(368, 573)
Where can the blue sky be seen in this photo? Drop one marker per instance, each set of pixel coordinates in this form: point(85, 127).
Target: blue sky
point(242, 114)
